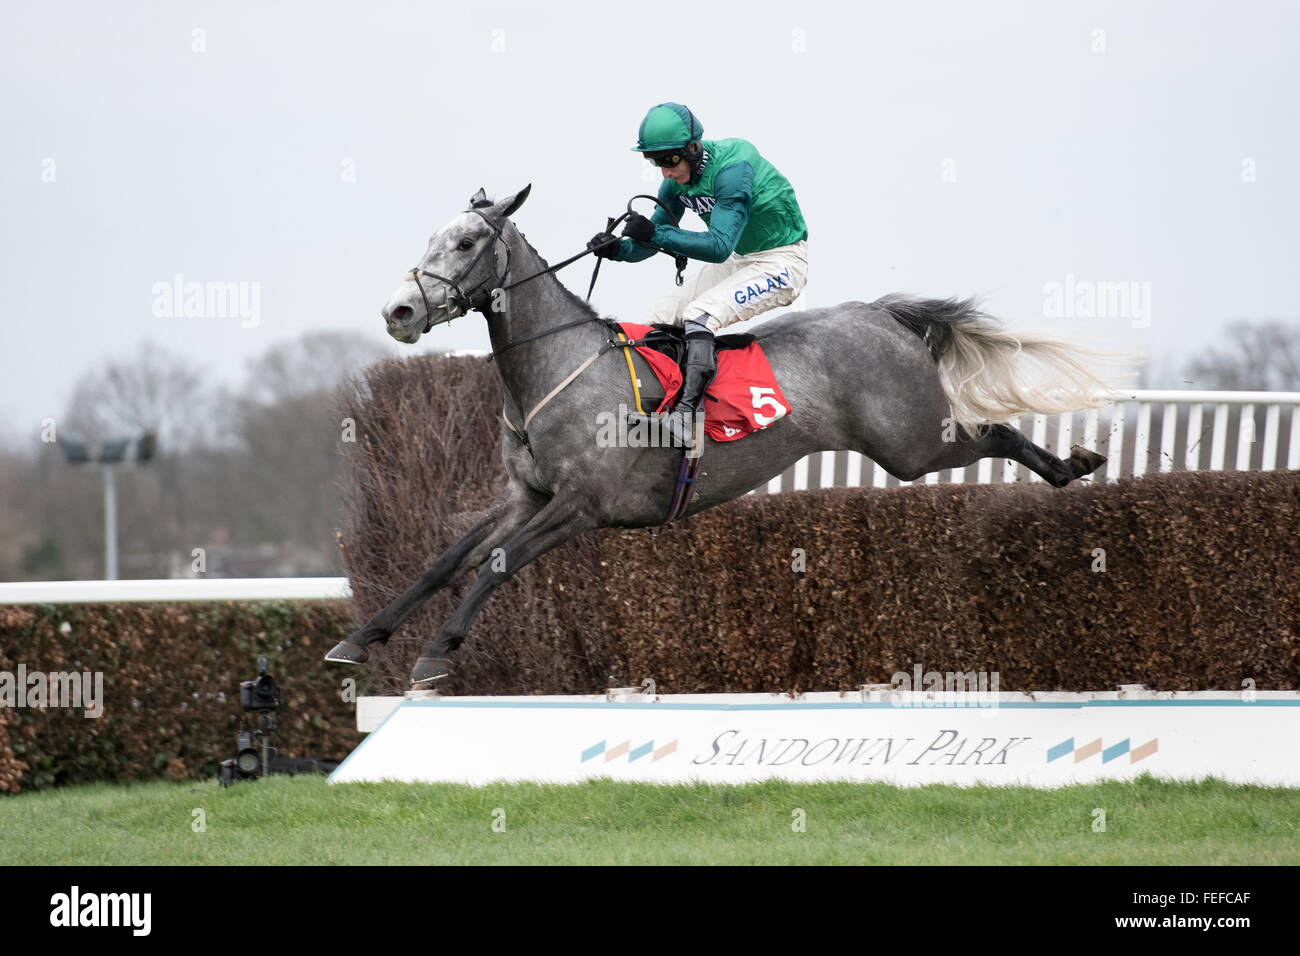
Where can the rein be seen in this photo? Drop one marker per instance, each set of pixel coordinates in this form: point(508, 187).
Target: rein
point(473, 300)
point(610, 226)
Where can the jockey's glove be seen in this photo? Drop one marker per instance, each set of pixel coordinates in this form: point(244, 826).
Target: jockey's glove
point(604, 245)
point(638, 227)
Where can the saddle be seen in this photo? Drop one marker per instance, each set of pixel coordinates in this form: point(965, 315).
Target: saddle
point(742, 398)
point(670, 341)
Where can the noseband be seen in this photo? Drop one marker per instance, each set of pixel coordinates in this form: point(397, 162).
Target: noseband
point(465, 301)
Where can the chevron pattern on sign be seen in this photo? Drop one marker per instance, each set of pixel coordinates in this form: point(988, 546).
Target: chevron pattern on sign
point(1094, 747)
point(625, 749)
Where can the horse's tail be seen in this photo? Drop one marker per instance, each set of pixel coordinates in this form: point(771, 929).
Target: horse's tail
point(992, 375)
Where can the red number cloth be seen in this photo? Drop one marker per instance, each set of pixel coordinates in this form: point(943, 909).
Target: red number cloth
point(744, 397)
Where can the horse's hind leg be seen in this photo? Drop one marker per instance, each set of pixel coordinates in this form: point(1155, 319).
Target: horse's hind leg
point(1003, 441)
point(562, 519)
point(506, 515)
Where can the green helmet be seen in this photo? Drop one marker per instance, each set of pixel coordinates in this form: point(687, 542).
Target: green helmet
point(668, 126)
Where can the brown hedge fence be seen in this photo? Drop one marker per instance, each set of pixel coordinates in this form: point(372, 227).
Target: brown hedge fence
point(1182, 581)
point(171, 679)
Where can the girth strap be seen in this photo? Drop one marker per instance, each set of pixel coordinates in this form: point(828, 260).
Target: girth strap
point(523, 433)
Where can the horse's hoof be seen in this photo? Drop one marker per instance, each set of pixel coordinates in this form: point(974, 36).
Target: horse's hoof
point(1085, 461)
point(345, 652)
point(428, 669)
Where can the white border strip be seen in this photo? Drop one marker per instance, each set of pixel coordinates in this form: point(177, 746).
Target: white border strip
point(177, 589)
point(373, 711)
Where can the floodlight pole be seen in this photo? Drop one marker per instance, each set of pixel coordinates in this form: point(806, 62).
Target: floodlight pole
point(111, 452)
point(110, 525)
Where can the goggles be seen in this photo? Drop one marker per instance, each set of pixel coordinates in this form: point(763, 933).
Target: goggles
point(666, 160)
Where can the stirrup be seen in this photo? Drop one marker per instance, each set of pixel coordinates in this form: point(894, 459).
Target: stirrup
point(687, 430)
point(669, 426)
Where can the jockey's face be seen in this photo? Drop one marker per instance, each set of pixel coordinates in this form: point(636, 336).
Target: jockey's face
point(681, 173)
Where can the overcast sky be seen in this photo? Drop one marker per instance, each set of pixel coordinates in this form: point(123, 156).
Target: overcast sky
point(310, 149)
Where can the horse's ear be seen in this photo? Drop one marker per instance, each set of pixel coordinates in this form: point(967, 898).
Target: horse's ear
point(477, 199)
point(507, 207)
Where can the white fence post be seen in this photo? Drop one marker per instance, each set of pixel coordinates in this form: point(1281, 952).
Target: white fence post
point(1245, 437)
point(1142, 442)
point(1223, 402)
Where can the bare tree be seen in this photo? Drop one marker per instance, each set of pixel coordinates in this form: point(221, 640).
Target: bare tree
point(244, 467)
point(1255, 356)
point(290, 434)
point(152, 389)
point(313, 364)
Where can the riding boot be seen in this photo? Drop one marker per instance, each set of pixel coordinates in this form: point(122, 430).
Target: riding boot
point(701, 366)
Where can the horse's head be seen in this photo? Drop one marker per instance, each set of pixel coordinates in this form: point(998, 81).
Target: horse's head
point(465, 261)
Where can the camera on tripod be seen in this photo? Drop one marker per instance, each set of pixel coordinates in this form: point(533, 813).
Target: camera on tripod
point(262, 694)
point(251, 761)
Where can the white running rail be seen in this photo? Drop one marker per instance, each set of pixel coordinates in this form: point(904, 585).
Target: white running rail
point(175, 589)
point(1184, 438)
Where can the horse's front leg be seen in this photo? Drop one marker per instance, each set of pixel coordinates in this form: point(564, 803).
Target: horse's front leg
point(510, 512)
point(564, 518)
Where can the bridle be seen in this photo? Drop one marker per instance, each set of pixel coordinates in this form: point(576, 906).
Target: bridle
point(465, 301)
point(476, 299)
point(480, 299)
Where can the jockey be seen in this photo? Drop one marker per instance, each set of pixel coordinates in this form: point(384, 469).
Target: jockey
point(756, 244)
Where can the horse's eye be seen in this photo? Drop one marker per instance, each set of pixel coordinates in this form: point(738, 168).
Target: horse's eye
point(466, 245)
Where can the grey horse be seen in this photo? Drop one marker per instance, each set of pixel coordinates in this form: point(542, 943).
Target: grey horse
point(916, 385)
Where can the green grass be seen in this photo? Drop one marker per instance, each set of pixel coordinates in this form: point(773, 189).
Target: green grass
point(303, 820)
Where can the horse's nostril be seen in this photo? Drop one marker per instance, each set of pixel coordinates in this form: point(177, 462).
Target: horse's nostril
point(400, 314)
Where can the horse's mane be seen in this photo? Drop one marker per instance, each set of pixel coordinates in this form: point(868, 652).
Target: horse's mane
point(571, 297)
